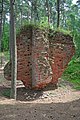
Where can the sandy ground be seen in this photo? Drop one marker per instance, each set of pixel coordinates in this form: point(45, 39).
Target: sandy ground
point(62, 103)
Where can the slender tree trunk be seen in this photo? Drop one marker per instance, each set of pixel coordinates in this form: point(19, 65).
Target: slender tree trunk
point(32, 11)
point(36, 11)
point(13, 51)
point(1, 24)
point(21, 17)
point(62, 13)
point(28, 12)
point(48, 11)
point(4, 16)
point(58, 13)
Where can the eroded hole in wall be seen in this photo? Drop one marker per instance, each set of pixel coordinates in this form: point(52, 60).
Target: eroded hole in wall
point(25, 55)
point(21, 44)
point(20, 63)
point(28, 54)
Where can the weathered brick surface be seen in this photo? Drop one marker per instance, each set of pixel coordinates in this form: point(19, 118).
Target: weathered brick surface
point(61, 52)
point(41, 58)
point(41, 70)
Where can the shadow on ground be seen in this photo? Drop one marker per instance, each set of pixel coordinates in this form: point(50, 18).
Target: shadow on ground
point(24, 94)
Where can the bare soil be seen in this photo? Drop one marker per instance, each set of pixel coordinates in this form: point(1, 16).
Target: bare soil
point(61, 103)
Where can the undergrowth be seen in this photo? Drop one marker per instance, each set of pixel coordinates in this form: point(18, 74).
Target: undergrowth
point(72, 73)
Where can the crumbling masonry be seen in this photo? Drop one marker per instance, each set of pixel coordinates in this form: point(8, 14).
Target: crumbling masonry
point(42, 56)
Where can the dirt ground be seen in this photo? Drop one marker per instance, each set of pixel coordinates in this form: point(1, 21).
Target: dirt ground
point(62, 103)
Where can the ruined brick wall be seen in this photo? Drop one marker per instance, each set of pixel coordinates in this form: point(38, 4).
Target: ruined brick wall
point(24, 52)
point(41, 58)
point(61, 51)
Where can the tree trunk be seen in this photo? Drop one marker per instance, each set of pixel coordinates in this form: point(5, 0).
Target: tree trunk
point(13, 51)
point(48, 11)
point(21, 17)
point(1, 17)
point(58, 13)
point(32, 11)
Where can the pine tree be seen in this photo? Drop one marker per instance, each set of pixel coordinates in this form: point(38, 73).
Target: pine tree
point(13, 50)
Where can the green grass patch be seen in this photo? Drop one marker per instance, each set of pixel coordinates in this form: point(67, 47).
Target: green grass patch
point(65, 32)
point(6, 93)
point(42, 26)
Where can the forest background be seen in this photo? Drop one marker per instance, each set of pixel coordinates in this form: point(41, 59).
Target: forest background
point(45, 13)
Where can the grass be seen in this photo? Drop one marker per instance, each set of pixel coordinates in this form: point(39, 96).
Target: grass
point(65, 32)
point(72, 73)
point(42, 25)
point(6, 92)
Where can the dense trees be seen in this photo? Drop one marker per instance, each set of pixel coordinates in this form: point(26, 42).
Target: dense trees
point(4, 25)
point(56, 13)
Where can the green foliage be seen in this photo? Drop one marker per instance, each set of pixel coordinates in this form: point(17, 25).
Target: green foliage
point(66, 32)
point(73, 24)
point(44, 23)
point(5, 40)
point(41, 25)
point(72, 73)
